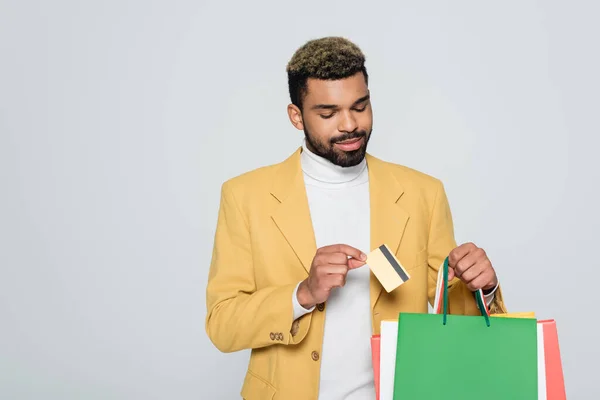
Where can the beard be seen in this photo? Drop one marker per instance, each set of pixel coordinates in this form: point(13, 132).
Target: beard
point(339, 157)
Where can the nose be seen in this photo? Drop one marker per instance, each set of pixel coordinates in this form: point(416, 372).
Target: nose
point(347, 122)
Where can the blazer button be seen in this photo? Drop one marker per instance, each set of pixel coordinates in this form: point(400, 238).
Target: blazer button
point(279, 336)
point(315, 356)
point(272, 336)
point(321, 306)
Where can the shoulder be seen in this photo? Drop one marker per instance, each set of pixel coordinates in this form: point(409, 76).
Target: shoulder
point(410, 178)
point(260, 180)
point(252, 179)
point(250, 187)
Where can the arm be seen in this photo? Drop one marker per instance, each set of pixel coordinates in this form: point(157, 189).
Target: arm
point(240, 316)
point(441, 243)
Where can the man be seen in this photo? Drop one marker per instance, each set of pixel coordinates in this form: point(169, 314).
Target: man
point(288, 277)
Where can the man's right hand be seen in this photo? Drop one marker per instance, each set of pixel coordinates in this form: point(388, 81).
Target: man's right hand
point(327, 271)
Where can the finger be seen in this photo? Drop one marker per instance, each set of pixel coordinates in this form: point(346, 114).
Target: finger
point(481, 281)
point(466, 262)
point(332, 258)
point(476, 261)
point(336, 280)
point(472, 273)
point(459, 252)
point(353, 263)
point(333, 269)
point(344, 248)
point(450, 274)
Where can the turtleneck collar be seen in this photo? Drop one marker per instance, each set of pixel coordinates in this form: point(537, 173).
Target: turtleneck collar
point(322, 172)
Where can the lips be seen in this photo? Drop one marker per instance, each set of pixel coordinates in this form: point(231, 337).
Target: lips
point(350, 141)
point(351, 144)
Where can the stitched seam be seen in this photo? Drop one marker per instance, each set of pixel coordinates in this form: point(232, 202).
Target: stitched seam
point(435, 200)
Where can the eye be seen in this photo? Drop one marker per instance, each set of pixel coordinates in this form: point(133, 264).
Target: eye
point(327, 116)
point(361, 109)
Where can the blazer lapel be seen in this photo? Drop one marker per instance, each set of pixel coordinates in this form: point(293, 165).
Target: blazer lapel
point(388, 219)
point(292, 214)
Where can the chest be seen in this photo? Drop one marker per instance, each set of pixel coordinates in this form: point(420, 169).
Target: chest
point(340, 215)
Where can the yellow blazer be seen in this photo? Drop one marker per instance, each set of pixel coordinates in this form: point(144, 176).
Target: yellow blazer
point(264, 245)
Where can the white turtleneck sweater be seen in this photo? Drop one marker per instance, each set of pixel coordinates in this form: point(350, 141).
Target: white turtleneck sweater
point(338, 200)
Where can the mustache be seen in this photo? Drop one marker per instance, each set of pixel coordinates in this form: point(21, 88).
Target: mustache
point(348, 136)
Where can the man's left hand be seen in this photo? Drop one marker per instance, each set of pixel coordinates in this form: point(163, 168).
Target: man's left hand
point(471, 264)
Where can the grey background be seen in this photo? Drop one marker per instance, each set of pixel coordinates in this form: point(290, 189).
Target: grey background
point(119, 120)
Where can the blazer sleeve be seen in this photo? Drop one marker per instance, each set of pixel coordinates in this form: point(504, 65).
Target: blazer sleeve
point(441, 242)
point(238, 315)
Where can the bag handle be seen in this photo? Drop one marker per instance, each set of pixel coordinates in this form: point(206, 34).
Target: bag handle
point(478, 298)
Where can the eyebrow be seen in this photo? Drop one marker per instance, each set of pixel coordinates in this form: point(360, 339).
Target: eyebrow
point(334, 106)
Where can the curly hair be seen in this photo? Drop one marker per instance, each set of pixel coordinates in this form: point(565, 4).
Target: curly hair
point(328, 58)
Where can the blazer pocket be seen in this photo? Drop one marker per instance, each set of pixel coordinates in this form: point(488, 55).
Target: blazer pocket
point(256, 388)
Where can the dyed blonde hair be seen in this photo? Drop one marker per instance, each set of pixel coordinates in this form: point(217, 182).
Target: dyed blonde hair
point(328, 58)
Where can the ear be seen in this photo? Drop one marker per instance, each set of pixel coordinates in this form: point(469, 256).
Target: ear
point(295, 116)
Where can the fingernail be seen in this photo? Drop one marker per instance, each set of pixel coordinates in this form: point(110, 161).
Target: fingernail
point(363, 256)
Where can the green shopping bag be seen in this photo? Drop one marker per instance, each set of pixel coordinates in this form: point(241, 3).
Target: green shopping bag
point(441, 356)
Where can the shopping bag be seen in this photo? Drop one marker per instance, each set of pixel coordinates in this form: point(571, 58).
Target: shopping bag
point(551, 384)
point(441, 356)
point(375, 355)
point(383, 348)
point(387, 359)
point(384, 356)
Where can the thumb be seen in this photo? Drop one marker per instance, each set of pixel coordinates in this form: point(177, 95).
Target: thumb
point(450, 274)
point(354, 263)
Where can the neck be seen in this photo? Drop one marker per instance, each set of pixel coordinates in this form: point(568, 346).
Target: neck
point(324, 171)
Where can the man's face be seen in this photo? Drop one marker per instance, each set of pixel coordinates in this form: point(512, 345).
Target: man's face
point(338, 119)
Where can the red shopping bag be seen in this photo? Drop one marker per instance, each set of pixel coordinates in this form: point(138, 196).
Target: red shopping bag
point(375, 346)
point(551, 380)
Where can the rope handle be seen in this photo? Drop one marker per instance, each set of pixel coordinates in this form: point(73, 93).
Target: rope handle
point(479, 298)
